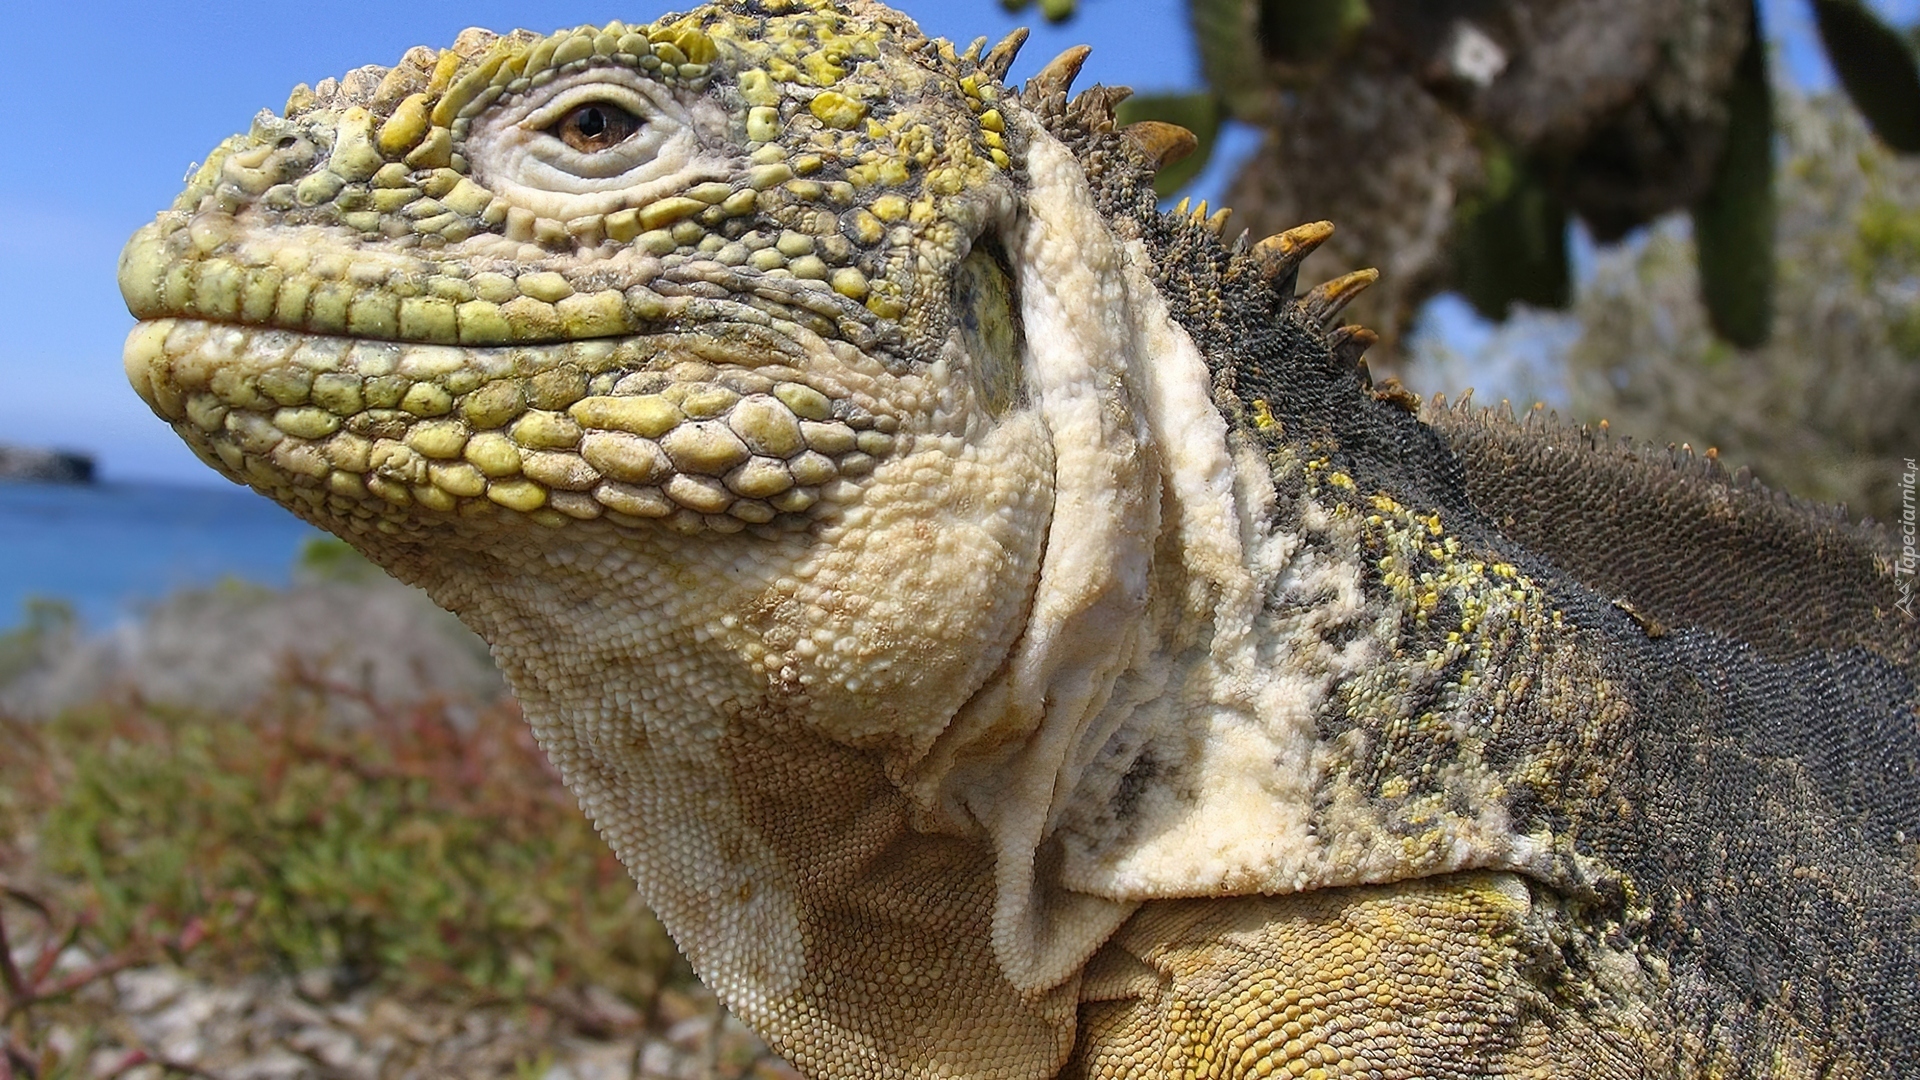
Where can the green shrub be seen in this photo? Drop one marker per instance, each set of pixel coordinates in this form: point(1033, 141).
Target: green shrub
point(431, 857)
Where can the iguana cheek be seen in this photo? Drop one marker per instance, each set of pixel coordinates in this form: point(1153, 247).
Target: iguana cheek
point(920, 593)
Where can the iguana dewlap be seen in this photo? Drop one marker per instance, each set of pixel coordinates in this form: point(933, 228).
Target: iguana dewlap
point(998, 624)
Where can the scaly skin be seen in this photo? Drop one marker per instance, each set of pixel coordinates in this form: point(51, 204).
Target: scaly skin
point(992, 619)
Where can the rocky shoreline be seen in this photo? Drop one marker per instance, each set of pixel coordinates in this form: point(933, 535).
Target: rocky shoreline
point(45, 466)
point(154, 1022)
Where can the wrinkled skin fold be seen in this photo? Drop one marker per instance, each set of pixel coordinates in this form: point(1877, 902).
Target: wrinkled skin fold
point(995, 621)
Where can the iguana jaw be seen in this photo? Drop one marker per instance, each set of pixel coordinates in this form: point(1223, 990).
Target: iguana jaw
point(728, 428)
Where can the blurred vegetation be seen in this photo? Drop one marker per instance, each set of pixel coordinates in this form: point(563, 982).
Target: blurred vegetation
point(1452, 141)
point(47, 625)
point(329, 558)
point(1765, 300)
point(1830, 406)
point(410, 854)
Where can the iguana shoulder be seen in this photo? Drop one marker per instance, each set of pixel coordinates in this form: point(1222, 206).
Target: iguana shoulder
point(998, 623)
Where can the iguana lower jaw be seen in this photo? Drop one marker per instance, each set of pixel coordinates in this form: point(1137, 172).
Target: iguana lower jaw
point(693, 433)
point(836, 536)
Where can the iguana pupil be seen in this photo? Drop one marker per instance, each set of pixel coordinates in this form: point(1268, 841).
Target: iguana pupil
point(596, 126)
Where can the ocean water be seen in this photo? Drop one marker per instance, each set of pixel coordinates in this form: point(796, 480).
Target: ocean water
point(108, 549)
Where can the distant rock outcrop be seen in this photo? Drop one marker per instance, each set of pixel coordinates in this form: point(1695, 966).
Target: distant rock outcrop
point(53, 466)
point(230, 647)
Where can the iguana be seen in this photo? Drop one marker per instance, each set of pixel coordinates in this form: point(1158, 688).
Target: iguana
point(1000, 625)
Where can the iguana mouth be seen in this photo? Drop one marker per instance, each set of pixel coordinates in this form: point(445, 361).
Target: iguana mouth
point(699, 430)
point(245, 267)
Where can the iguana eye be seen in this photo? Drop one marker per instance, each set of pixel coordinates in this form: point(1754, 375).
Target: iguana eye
point(595, 126)
point(595, 141)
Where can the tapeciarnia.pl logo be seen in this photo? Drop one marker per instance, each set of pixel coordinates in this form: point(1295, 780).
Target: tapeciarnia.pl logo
point(1903, 568)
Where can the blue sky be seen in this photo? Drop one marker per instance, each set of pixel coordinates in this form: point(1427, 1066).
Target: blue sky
point(105, 104)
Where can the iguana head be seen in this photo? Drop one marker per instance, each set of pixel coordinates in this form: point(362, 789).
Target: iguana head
point(712, 263)
point(701, 292)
